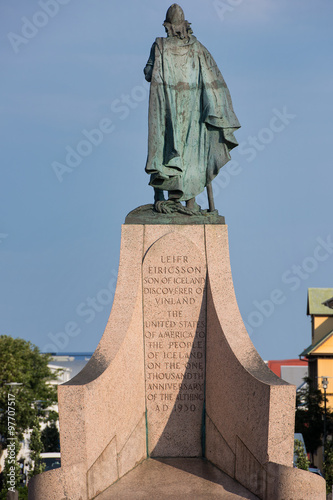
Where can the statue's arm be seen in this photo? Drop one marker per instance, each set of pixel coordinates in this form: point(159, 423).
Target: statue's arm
point(148, 70)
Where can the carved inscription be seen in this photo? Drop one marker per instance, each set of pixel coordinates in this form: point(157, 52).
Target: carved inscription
point(175, 332)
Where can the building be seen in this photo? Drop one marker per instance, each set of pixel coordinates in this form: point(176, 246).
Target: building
point(320, 353)
point(71, 362)
point(292, 371)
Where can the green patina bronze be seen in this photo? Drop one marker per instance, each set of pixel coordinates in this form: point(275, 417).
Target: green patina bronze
point(146, 214)
point(191, 127)
point(191, 118)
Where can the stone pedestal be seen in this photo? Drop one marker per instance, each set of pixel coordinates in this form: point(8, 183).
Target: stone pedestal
point(12, 495)
point(175, 387)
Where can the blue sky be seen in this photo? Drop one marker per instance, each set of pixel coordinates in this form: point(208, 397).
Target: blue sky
point(67, 67)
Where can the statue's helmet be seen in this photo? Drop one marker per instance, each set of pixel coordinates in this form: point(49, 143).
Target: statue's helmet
point(175, 14)
point(175, 23)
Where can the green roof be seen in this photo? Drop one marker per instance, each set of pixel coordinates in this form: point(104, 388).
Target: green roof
point(313, 347)
point(316, 299)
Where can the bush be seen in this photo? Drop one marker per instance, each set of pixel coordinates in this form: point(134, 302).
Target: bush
point(302, 461)
point(22, 491)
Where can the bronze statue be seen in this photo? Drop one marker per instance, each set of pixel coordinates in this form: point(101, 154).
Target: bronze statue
point(191, 118)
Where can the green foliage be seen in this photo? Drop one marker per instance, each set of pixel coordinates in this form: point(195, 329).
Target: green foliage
point(22, 362)
point(302, 461)
point(12, 464)
point(328, 465)
point(50, 438)
point(22, 493)
point(309, 416)
point(36, 448)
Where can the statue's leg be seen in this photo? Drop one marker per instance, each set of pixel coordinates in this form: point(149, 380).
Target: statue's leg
point(174, 205)
point(158, 195)
point(161, 205)
point(190, 204)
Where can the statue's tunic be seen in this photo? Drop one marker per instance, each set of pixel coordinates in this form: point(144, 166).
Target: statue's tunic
point(191, 118)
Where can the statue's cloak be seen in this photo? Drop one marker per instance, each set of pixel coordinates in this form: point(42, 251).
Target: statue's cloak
point(191, 118)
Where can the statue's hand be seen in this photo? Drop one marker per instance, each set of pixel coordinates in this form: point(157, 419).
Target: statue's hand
point(148, 71)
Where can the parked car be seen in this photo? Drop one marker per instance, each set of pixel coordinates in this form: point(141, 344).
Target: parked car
point(315, 471)
point(51, 460)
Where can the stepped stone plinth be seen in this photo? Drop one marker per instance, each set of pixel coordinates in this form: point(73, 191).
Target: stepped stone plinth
point(176, 402)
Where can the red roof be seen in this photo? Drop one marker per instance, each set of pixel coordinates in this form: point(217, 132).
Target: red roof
point(275, 364)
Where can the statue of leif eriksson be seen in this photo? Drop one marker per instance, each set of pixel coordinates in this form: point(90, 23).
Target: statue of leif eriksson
point(191, 118)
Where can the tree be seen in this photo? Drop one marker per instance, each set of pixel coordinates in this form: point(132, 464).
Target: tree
point(12, 476)
point(36, 448)
point(11, 470)
point(21, 362)
point(50, 438)
point(328, 465)
point(309, 416)
point(302, 461)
